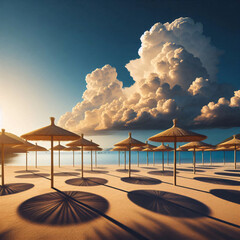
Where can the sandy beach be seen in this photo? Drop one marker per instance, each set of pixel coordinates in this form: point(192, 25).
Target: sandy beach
point(108, 205)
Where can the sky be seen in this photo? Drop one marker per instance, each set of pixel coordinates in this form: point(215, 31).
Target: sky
point(47, 48)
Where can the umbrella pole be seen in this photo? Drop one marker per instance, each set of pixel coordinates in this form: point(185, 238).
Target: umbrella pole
point(129, 162)
point(162, 161)
point(175, 162)
point(118, 158)
point(138, 158)
point(202, 158)
point(125, 160)
point(153, 158)
point(82, 161)
point(167, 158)
point(194, 160)
point(235, 157)
point(147, 158)
point(73, 158)
point(26, 161)
point(91, 160)
point(36, 159)
point(224, 157)
point(58, 158)
point(2, 165)
point(52, 162)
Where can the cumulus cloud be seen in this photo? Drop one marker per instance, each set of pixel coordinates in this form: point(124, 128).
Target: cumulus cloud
point(175, 76)
point(225, 112)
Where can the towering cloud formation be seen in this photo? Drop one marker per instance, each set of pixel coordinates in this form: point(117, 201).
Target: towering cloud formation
point(175, 76)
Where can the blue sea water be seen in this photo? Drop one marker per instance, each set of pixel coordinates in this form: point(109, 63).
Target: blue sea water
point(107, 157)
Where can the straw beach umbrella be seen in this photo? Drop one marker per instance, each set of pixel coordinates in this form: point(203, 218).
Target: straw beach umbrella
point(37, 148)
point(137, 149)
point(147, 150)
point(150, 146)
point(73, 149)
point(176, 134)
point(194, 146)
point(129, 143)
point(9, 140)
point(82, 142)
point(234, 142)
point(162, 148)
point(120, 149)
point(59, 148)
point(91, 149)
point(51, 133)
point(97, 149)
point(26, 146)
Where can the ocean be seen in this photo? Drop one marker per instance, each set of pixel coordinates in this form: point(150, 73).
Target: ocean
point(107, 157)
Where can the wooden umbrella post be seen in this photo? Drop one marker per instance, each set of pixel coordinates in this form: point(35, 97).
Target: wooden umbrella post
point(125, 160)
point(194, 160)
point(118, 158)
point(52, 185)
point(147, 158)
point(224, 161)
point(82, 160)
point(162, 161)
point(235, 157)
point(167, 158)
point(36, 157)
point(26, 160)
point(2, 164)
point(129, 162)
point(175, 162)
point(91, 161)
point(73, 159)
point(153, 158)
point(138, 158)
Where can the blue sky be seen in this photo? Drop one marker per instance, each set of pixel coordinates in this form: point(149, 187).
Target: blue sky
point(48, 47)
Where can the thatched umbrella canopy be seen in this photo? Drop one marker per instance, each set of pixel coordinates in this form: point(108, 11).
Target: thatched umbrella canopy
point(26, 146)
point(97, 149)
point(234, 142)
point(73, 149)
point(129, 143)
point(51, 133)
point(82, 142)
point(137, 149)
point(150, 146)
point(37, 148)
point(91, 149)
point(224, 149)
point(176, 134)
point(195, 146)
point(163, 148)
point(121, 149)
point(9, 140)
point(58, 148)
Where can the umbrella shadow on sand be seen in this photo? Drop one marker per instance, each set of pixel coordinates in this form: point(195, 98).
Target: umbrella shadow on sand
point(126, 170)
point(26, 171)
point(226, 194)
point(86, 182)
point(218, 181)
point(63, 208)
point(13, 188)
point(141, 180)
point(161, 173)
point(66, 174)
point(168, 203)
point(39, 175)
point(96, 171)
point(228, 174)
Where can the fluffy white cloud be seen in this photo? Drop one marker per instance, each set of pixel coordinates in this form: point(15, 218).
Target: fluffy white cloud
point(223, 113)
point(174, 77)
